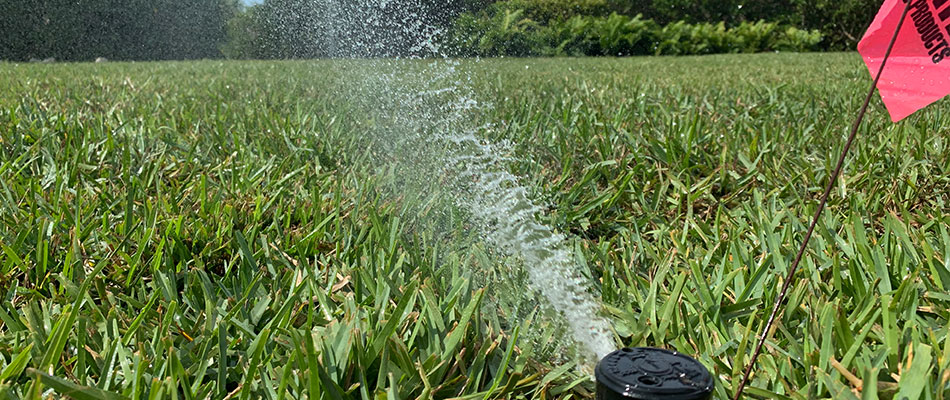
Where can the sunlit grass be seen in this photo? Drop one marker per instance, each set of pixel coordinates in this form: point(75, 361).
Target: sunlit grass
point(195, 230)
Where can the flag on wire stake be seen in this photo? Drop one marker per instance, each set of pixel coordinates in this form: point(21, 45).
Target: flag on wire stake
point(918, 72)
point(913, 83)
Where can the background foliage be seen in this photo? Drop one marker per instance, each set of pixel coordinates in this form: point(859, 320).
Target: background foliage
point(280, 29)
point(120, 30)
point(509, 33)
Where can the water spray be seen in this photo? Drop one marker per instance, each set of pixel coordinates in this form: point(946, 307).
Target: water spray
point(426, 120)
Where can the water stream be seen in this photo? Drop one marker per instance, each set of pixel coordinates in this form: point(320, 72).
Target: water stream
point(419, 112)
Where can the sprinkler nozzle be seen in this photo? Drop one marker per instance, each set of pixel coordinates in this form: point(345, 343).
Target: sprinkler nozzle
point(651, 374)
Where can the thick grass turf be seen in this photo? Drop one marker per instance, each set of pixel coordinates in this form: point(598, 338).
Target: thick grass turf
point(211, 230)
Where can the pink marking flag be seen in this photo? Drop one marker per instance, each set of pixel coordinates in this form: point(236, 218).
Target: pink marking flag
point(918, 71)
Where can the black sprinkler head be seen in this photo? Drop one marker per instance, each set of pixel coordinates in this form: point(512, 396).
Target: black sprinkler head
point(651, 374)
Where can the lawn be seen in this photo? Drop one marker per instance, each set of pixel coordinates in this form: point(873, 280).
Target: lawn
point(240, 229)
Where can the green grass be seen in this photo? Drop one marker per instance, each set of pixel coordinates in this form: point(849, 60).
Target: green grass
point(211, 230)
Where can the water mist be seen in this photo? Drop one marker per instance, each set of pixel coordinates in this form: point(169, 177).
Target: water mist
point(419, 114)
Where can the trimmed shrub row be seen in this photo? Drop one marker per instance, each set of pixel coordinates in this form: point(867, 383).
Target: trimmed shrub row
point(509, 33)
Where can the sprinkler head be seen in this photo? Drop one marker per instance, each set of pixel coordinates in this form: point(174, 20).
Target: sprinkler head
point(651, 374)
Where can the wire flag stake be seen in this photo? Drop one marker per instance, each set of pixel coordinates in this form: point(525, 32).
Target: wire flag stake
point(821, 207)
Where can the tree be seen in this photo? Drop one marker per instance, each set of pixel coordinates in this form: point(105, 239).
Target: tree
point(342, 28)
point(115, 29)
point(244, 35)
point(842, 21)
point(19, 38)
